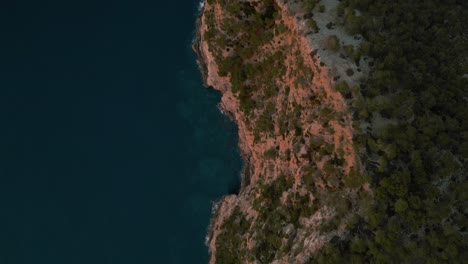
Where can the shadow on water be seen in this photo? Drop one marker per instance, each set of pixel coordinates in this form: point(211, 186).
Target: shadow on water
point(234, 187)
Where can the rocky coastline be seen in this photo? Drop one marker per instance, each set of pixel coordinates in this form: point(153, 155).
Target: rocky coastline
point(203, 61)
point(196, 46)
point(325, 149)
point(256, 167)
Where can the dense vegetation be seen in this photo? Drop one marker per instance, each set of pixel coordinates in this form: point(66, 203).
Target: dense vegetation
point(230, 242)
point(246, 26)
point(416, 146)
point(274, 239)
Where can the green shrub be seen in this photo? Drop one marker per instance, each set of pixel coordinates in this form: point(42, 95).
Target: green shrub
point(312, 24)
point(321, 8)
point(332, 43)
point(271, 153)
point(348, 50)
point(401, 206)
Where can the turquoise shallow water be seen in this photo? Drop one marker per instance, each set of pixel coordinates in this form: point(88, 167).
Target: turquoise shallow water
point(111, 151)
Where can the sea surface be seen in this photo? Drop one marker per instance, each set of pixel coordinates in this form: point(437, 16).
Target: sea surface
point(111, 151)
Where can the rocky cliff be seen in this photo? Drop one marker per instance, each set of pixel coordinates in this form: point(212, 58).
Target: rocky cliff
point(330, 97)
point(307, 142)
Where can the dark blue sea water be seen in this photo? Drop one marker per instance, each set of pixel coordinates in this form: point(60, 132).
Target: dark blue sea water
point(111, 151)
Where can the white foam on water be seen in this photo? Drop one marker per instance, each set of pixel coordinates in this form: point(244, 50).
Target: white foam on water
point(201, 5)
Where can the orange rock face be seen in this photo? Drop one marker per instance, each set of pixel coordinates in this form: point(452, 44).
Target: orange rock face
point(336, 132)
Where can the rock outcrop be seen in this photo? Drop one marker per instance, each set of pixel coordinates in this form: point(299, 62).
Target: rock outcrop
point(312, 145)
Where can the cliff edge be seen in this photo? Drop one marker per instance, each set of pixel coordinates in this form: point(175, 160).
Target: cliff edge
point(281, 148)
point(314, 135)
